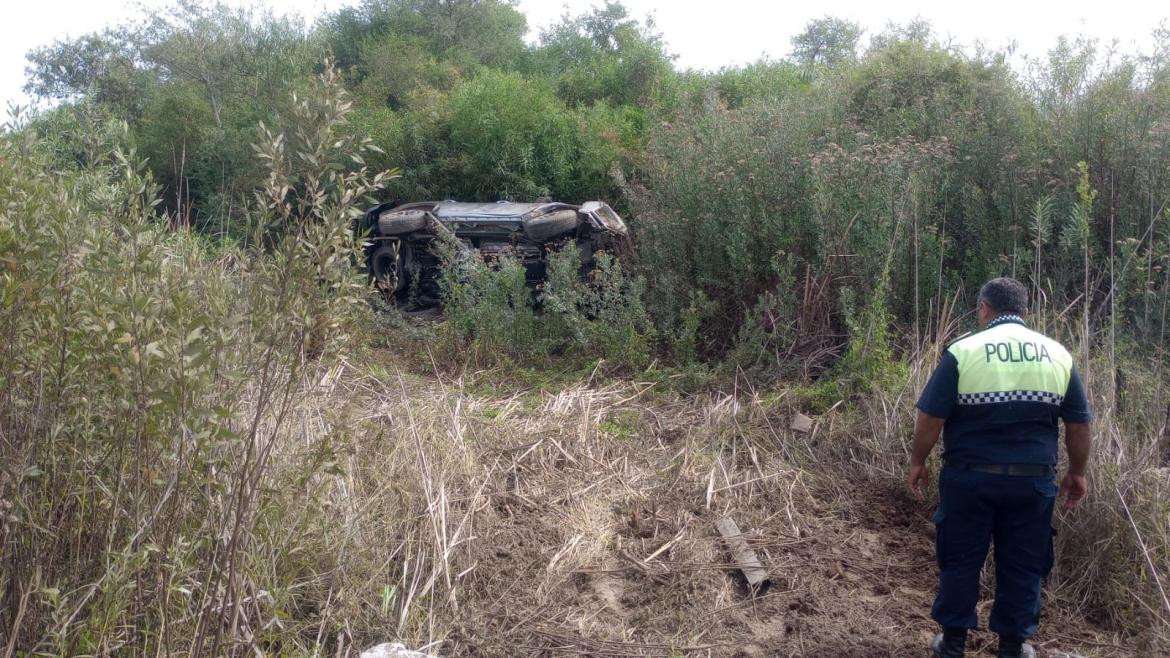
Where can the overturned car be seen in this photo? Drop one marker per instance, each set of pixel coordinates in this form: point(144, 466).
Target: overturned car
point(401, 238)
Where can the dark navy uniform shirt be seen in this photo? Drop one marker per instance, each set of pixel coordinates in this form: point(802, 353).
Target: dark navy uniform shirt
point(1002, 392)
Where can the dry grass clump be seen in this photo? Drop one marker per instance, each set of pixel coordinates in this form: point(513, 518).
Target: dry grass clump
point(1113, 555)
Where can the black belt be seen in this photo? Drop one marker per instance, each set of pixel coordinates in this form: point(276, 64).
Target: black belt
point(1023, 470)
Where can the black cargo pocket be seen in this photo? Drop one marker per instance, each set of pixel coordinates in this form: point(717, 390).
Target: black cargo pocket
point(1048, 489)
point(939, 536)
point(1050, 554)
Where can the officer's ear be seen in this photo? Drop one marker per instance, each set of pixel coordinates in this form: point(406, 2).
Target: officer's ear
point(982, 311)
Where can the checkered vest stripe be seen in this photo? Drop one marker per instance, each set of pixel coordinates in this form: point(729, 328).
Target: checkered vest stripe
point(1010, 396)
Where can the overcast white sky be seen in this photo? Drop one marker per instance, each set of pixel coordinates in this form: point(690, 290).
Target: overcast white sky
point(703, 34)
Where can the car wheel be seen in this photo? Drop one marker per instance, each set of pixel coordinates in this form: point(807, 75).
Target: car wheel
point(545, 227)
point(401, 222)
point(385, 268)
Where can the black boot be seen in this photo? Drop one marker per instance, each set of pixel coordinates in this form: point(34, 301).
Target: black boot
point(951, 643)
point(1015, 647)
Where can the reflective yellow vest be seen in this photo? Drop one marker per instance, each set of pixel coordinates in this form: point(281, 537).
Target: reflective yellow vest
point(1011, 363)
point(1003, 392)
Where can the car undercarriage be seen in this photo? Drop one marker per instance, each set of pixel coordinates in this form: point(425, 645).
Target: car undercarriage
point(402, 240)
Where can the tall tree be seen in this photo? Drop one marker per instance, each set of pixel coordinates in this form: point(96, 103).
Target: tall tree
point(827, 40)
point(605, 55)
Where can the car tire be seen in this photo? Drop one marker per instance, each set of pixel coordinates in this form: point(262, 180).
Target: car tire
point(385, 268)
point(401, 223)
point(545, 227)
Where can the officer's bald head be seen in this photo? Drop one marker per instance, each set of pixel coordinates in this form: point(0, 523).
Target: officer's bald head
point(1005, 295)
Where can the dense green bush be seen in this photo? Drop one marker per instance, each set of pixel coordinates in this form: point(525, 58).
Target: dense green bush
point(603, 312)
point(605, 55)
point(909, 177)
point(577, 315)
point(515, 140)
point(148, 385)
point(191, 81)
point(489, 305)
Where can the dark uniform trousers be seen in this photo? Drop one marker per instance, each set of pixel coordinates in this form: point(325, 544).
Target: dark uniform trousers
point(974, 509)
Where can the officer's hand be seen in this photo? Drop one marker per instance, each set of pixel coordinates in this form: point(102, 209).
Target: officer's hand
point(1073, 487)
point(917, 478)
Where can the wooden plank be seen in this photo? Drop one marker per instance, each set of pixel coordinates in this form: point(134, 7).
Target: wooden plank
point(801, 423)
point(743, 555)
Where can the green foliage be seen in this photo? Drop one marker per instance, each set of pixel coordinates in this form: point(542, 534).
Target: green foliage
point(826, 41)
point(493, 312)
point(605, 55)
point(917, 31)
point(603, 312)
point(447, 89)
point(395, 69)
point(192, 80)
point(906, 178)
point(686, 341)
point(623, 425)
point(868, 364)
point(99, 66)
point(763, 79)
point(489, 304)
point(150, 381)
point(911, 164)
point(468, 32)
point(769, 331)
point(517, 141)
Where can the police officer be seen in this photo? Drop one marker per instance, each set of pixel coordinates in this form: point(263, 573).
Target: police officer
point(997, 397)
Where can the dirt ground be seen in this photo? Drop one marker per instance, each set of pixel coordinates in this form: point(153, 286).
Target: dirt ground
point(859, 587)
point(597, 536)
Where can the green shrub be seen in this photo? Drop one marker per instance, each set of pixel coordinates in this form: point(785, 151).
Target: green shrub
point(576, 315)
point(602, 313)
point(150, 386)
point(489, 304)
